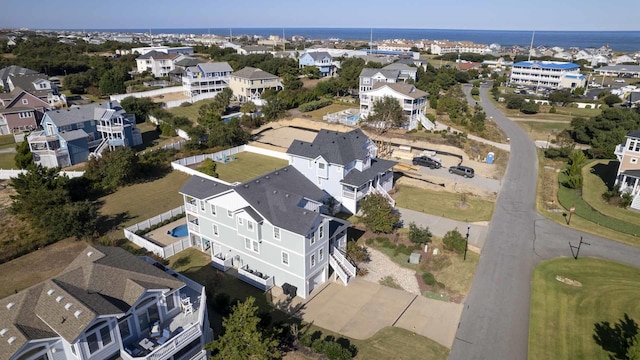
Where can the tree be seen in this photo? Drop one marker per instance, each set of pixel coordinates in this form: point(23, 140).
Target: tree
point(77, 83)
point(248, 107)
point(611, 99)
point(242, 338)
point(24, 156)
point(633, 353)
point(208, 167)
point(454, 241)
point(114, 169)
point(387, 113)
point(140, 107)
point(529, 107)
point(418, 234)
point(112, 81)
point(378, 215)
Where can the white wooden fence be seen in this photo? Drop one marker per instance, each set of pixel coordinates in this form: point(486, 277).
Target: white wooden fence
point(163, 251)
point(176, 103)
point(150, 93)
point(11, 173)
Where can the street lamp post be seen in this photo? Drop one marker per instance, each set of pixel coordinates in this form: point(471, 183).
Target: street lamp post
point(466, 243)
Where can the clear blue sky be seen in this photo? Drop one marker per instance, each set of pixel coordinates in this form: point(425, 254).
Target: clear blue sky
point(423, 14)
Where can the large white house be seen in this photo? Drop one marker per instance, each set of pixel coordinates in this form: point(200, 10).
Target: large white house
point(107, 304)
point(412, 100)
point(547, 74)
point(628, 177)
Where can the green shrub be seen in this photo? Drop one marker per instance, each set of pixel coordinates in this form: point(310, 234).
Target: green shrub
point(454, 241)
point(314, 105)
point(335, 351)
point(369, 241)
point(318, 346)
point(185, 104)
point(429, 279)
point(475, 91)
point(553, 110)
point(306, 340)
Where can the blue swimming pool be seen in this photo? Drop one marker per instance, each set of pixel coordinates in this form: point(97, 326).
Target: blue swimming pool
point(179, 231)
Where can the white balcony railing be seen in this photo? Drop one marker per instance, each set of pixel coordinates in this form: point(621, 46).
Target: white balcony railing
point(193, 226)
point(191, 207)
point(110, 128)
point(220, 262)
point(255, 278)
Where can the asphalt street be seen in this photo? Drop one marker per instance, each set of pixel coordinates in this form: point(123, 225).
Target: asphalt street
point(495, 320)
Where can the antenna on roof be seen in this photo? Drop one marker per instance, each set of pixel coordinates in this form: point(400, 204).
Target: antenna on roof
point(531, 46)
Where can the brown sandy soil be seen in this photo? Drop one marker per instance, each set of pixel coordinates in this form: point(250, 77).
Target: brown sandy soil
point(170, 97)
point(449, 186)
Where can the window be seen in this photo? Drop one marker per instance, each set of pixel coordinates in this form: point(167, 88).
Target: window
point(256, 246)
point(276, 233)
point(125, 329)
point(634, 160)
point(321, 254)
point(25, 101)
point(313, 239)
point(321, 166)
point(250, 225)
point(171, 302)
point(230, 213)
point(321, 232)
point(631, 144)
point(240, 221)
point(310, 164)
point(147, 313)
point(80, 125)
point(313, 260)
point(201, 205)
point(247, 243)
point(98, 337)
point(213, 210)
point(215, 230)
point(252, 245)
point(285, 258)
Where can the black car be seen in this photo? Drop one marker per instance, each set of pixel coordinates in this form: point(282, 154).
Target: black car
point(426, 161)
point(462, 171)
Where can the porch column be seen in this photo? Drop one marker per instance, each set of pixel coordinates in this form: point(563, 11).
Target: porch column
point(624, 181)
point(635, 186)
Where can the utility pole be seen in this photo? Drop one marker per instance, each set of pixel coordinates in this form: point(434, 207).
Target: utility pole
point(466, 243)
point(577, 247)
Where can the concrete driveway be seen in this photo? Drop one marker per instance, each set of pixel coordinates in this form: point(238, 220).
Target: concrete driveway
point(361, 309)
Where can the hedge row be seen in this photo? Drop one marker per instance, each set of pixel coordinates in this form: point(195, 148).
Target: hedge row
point(160, 224)
point(329, 346)
point(314, 105)
point(397, 249)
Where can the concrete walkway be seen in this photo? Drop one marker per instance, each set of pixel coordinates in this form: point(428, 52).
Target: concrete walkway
point(439, 226)
point(363, 308)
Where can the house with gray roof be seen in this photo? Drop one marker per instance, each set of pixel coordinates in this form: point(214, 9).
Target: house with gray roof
point(71, 135)
point(321, 60)
point(344, 165)
point(249, 83)
point(13, 70)
point(107, 304)
point(274, 229)
point(158, 63)
point(205, 78)
point(628, 175)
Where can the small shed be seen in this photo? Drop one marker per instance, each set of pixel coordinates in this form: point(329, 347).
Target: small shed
point(414, 258)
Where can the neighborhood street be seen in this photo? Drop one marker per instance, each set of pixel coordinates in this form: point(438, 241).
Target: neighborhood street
point(495, 319)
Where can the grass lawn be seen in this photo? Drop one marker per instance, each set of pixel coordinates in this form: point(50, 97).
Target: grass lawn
point(247, 166)
point(563, 317)
point(538, 130)
point(388, 343)
point(597, 175)
point(319, 113)
point(190, 112)
point(445, 204)
point(142, 201)
point(7, 141)
point(21, 273)
point(7, 161)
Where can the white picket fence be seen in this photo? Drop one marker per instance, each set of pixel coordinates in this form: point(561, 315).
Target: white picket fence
point(163, 251)
point(11, 173)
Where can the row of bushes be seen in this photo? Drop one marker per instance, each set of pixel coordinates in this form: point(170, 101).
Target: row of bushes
point(329, 346)
point(314, 105)
point(397, 249)
point(160, 224)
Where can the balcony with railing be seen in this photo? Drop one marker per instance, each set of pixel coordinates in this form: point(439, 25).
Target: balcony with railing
point(193, 224)
point(221, 262)
point(110, 128)
point(176, 332)
point(255, 278)
point(619, 151)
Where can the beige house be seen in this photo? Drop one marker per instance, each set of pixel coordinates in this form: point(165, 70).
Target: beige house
point(248, 84)
point(628, 177)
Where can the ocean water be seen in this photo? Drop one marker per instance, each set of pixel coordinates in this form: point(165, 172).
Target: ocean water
point(625, 41)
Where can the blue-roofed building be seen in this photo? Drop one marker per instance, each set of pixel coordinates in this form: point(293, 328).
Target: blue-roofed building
point(547, 74)
point(70, 136)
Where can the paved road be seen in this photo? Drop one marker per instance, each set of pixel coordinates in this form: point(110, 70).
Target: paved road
point(495, 321)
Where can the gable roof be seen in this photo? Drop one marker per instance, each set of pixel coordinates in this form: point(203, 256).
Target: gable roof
point(279, 197)
point(16, 105)
point(74, 115)
point(319, 55)
point(400, 66)
point(387, 73)
point(634, 134)
point(157, 55)
point(252, 73)
point(356, 177)
point(210, 67)
point(14, 70)
point(26, 82)
point(100, 281)
point(202, 188)
point(187, 61)
point(335, 147)
point(401, 88)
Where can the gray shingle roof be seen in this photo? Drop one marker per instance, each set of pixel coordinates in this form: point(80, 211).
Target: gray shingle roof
point(100, 281)
point(402, 88)
point(157, 55)
point(356, 177)
point(74, 135)
point(278, 196)
point(201, 188)
point(253, 74)
point(400, 66)
point(319, 55)
point(387, 73)
point(187, 61)
point(14, 70)
point(634, 134)
point(210, 67)
point(74, 115)
point(632, 173)
point(25, 82)
point(335, 147)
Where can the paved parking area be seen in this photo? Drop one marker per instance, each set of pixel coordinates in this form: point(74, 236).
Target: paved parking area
point(362, 308)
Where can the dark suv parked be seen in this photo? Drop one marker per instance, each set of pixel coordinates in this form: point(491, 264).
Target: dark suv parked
point(426, 161)
point(462, 171)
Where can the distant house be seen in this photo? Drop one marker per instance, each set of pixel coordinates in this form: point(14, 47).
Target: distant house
point(249, 83)
point(185, 50)
point(21, 111)
point(273, 229)
point(13, 70)
point(624, 59)
point(38, 85)
point(369, 77)
point(547, 74)
point(321, 60)
point(70, 136)
point(441, 47)
point(157, 63)
point(619, 70)
point(253, 49)
point(107, 304)
point(204, 78)
point(628, 176)
point(406, 72)
point(180, 67)
point(412, 100)
point(344, 165)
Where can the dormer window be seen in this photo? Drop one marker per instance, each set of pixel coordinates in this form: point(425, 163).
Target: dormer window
point(25, 102)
